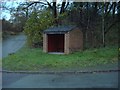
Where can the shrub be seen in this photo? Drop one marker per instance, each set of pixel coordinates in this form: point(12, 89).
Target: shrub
point(37, 22)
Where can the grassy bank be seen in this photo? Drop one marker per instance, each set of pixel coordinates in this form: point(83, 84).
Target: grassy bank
point(35, 59)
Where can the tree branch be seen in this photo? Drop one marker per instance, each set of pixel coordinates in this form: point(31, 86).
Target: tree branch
point(114, 7)
point(106, 6)
point(62, 7)
point(106, 14)
point(54, 9)
point(67, 5)
point(114, 23)
point(49, 4)
point(35, 3)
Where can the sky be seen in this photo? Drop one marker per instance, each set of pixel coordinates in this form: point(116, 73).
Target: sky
point(9, 3)
point(14, 3)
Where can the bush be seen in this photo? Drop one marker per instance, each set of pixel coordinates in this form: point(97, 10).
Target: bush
point(35, 25)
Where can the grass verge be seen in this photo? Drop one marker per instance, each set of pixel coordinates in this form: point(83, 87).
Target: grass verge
point(34, 59)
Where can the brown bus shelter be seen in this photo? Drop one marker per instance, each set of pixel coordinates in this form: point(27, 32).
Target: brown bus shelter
point(65, 39)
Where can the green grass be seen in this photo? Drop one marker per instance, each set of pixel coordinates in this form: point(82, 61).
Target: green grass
point(35, 59)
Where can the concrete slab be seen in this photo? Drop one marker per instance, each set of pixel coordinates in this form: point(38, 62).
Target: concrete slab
point(56, 53)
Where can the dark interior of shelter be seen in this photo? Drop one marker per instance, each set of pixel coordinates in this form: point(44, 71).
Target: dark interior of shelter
point(55, 42)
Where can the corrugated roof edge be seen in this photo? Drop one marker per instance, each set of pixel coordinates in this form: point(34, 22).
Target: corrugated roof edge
point(63, 28)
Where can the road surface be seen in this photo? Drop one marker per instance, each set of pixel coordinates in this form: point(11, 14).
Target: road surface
point(13, 44)
point(86, 80)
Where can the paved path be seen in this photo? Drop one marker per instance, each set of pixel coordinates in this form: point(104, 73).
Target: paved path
point(91, 80)
point(12, 44)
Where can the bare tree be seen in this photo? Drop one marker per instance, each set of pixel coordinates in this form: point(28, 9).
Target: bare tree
point(52, 5)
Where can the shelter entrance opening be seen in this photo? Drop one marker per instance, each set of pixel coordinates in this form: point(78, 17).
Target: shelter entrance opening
point(55, 42)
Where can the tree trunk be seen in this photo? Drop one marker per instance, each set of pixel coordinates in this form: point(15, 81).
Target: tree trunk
point(62, 7)
point(103, 23)
point(55, 12)
point(87, 28)
point(103, 31)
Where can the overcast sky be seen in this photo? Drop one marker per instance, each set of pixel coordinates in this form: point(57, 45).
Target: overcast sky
point(15, 3)
point(6, 13)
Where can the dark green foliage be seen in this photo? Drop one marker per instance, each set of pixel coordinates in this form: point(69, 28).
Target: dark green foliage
point(97, 20)
point(35, 25)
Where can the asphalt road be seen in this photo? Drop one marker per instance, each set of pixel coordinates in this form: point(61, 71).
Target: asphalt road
point(13, 44)
point(88, 80)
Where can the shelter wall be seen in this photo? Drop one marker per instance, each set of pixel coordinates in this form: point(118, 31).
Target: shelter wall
point(45, 43)
point(75, 40)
